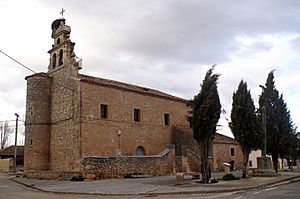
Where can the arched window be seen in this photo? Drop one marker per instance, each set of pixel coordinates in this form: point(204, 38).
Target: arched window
point(60, 61)
point(140, 151)
point(54, 61)
point(58, 41)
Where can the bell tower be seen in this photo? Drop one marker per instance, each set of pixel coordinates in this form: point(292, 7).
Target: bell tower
point(62, 53)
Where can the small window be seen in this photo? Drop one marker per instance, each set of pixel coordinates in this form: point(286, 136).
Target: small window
point(166, 119)
point(104, 111)
point(137, 115)
point(140, 151)
point(250, 163)
point(232, 151)
point(58, 41)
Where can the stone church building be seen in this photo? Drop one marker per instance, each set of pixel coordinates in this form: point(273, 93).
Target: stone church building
point(71, 118)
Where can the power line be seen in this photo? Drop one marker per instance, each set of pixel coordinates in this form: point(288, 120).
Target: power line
point(63, 86)
point(32, 70)
point(7, 120)
point(17, 61)
point(11, 121)
point(13, 125)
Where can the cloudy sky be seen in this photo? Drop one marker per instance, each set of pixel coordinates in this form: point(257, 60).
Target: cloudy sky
point(163, 44)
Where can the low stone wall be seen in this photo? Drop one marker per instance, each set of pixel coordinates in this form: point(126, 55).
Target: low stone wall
point(190, 161)
point(95, 168)
point(193, 161)
point(51, 175)
point(6, 165)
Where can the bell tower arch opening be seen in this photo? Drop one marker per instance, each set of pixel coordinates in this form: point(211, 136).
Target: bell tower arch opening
point(60, 59)
point(54, 61)
point(62, 52)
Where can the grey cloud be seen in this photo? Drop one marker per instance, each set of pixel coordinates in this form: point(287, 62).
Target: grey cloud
point(256, 47)
point(295, 44)
point(169, 45)
point(187, 31)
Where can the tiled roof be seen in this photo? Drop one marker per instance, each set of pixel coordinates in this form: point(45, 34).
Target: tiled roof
point(127, 87)
point(223, 139)
point(11, 151)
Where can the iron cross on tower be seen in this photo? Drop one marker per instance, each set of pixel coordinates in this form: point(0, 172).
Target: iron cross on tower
point(62, 12)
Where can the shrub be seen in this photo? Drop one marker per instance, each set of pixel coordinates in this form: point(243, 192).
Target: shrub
point(77, 178)
point(211, 181)
point(230, 176)
point(214, 180)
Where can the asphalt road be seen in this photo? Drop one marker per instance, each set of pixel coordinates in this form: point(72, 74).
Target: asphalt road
point(289, 191)
point(12, 190)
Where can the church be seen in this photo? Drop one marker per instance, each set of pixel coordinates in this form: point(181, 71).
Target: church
point(72, 118)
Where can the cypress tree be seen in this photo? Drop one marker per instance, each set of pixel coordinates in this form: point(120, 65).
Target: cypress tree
point(243, 123)
point(269, 100)
point(204, 116)
point(285, 126)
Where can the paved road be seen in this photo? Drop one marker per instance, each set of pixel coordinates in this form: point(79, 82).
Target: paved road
point(287, 191)
point(12, 190)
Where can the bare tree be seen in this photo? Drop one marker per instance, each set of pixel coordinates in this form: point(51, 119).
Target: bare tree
point(5, 132)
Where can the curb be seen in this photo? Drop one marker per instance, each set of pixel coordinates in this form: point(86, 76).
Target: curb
point(224, 190)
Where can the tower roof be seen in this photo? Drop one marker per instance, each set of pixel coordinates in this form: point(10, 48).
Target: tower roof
point(59, 27)
point(56, 23)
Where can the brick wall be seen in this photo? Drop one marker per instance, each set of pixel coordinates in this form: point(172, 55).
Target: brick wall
point(118, 167)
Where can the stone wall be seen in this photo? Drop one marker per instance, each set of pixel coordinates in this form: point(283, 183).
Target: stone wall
point(190, 159)
point(99, 135)
point(121, 166)
point(37, 126)
point(51, 175)
point(193, 160)
point(65, 121)
point(6, 165)
point(222, 153)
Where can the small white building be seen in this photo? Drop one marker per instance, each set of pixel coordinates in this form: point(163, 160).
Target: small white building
point(252, 162)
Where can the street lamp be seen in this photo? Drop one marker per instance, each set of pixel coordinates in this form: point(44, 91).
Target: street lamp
point(264, 129)
point(119, 141)
point(16, 138)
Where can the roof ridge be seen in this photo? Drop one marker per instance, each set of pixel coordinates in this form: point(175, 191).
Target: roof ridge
point(123, 85)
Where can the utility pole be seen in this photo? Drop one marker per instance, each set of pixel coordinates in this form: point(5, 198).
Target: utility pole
point(16, 139)
point(264, 129)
